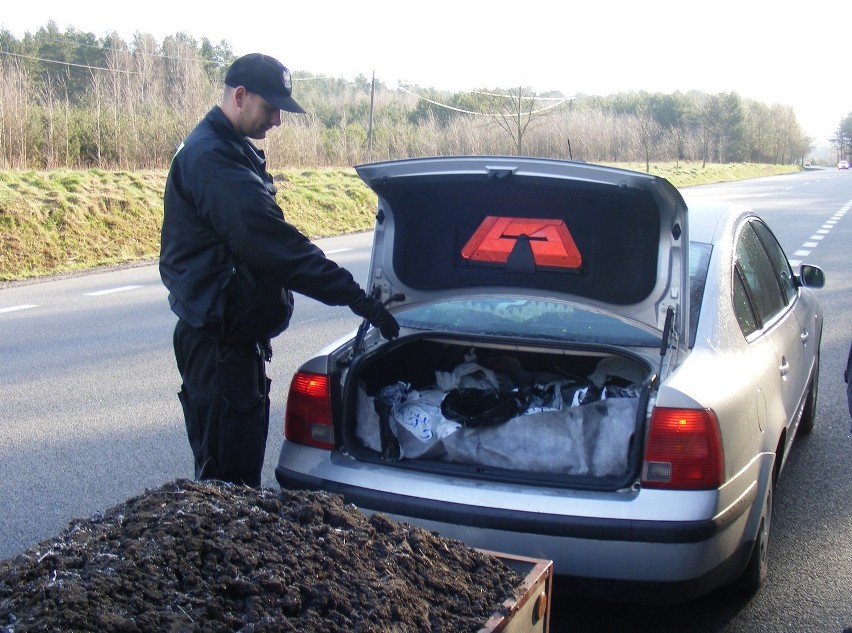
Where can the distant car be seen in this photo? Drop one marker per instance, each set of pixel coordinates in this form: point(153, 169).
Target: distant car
point(587, 372)
point(843, 164)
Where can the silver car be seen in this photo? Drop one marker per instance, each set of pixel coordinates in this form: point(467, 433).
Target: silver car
point(587, 372)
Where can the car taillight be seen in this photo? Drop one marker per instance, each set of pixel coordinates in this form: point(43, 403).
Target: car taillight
point(684, 450)
point(308, 418)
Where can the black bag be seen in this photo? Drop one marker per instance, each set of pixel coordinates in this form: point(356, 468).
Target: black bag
point(256, 308)
point(482, 407)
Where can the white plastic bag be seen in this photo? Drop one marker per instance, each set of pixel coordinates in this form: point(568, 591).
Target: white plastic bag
point(420, 426)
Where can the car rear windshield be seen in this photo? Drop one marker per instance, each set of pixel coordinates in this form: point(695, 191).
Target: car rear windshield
point(699, 260)
point(526, 318)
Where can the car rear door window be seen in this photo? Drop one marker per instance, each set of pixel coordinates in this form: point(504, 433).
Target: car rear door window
point(742, 306)
point(759, 277)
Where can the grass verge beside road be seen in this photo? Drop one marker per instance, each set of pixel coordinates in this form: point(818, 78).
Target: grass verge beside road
point(65, 221)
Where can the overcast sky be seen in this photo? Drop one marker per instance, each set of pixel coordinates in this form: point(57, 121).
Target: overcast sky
point(795, 54)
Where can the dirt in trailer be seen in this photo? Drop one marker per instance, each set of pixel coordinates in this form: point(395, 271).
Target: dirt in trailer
point(198, 556)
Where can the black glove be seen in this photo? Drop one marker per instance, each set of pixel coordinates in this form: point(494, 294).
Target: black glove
point(372, 310)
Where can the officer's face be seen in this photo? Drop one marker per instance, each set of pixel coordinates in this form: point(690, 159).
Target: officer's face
point(256, 116)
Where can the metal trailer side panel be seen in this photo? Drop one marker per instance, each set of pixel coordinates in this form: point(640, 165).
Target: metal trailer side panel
point(530, 611)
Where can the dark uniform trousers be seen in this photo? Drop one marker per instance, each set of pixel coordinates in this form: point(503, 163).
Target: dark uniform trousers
point(225, 399)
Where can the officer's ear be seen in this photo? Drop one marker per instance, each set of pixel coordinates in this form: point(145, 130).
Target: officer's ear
point(240, 95)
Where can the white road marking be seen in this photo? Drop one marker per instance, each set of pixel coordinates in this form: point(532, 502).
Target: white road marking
point(25, 306)
point(820, 234)
point(110, 291)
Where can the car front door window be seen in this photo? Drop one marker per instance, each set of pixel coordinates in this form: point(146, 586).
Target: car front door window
point(780, 264)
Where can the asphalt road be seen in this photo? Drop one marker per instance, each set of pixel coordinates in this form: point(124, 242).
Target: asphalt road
point(89, 415)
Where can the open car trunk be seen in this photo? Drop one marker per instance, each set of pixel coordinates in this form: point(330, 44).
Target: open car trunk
point(572, 417)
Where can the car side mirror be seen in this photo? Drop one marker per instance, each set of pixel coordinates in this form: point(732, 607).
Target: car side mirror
point(811, 276)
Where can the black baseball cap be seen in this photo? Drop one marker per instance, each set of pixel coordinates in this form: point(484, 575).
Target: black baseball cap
point(264, 76)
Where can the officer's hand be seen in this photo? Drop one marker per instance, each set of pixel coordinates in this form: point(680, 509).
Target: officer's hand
point(387, 324)
point(372, 310)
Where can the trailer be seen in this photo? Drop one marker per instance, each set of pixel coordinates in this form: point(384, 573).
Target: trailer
point(530, 611)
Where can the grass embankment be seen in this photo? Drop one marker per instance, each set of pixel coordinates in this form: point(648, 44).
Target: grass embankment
point(64, 221)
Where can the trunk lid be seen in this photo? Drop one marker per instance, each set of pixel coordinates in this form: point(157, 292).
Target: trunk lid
point(610, 239)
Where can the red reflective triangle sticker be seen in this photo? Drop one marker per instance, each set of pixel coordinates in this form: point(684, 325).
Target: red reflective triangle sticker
point(550, 241)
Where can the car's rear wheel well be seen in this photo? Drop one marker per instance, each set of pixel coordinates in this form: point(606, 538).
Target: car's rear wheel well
point(755, 571)
point(779, 457)
point(806, 422)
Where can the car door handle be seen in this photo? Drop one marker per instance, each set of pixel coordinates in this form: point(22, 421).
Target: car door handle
point(784, 367)
point(805, 335)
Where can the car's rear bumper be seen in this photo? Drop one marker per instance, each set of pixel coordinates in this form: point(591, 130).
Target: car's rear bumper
point(682, 542)
point(621, 560)
point(504, 520)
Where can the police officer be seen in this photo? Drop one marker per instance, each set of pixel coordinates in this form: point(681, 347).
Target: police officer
point(230, 261)
point(847, 377)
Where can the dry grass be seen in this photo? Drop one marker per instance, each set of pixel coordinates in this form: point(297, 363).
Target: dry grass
point(70, 220)
point(64, 220)
point(688, 174)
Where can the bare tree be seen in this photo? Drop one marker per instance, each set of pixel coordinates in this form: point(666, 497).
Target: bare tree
point(48, 99)
point(515, 111)
point(14, 109)
point(119, 99)
point(709, 120)
point(187, 88)
point(649, 133)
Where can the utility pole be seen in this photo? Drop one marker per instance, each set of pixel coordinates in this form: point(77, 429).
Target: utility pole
point(370, 122)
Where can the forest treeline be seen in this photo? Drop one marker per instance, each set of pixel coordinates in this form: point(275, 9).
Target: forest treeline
point(75, 100)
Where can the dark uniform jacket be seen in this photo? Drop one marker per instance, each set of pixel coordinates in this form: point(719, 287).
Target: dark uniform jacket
point(847, 376)
point(228, 257)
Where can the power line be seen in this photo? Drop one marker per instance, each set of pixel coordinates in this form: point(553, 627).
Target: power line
point(73, 43)
point(496, 94)
point(559, 100)
point(68, 41)
point(131, 72)
point(118, 50)
point(143, 53)
point(53, 61)
point(488, 114)
point(443, 105)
